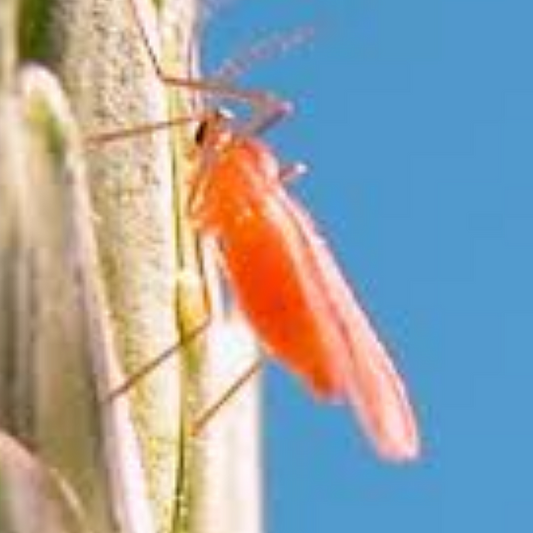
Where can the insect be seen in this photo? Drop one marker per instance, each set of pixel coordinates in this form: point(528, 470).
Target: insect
point(284, 277)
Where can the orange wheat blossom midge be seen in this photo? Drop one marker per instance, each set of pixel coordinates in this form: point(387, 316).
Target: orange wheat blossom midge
point(284, 278)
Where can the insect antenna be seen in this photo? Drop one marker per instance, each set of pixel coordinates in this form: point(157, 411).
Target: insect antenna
point(273, 45)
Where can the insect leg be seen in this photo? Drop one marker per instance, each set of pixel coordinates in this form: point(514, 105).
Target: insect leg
point(151, 365)
point(140, 130)
point(267, 108)
point(187, 338)
point(292, 171)
point(208, 414)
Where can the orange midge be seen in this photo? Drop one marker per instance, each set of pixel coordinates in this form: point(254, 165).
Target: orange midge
point(282, 274)
point(291, 290)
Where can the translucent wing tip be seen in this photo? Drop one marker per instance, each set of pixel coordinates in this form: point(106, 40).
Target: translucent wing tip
point(382, 406)
point(399, 440)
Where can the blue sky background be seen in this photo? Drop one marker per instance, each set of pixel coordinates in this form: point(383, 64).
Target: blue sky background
point(416, 119)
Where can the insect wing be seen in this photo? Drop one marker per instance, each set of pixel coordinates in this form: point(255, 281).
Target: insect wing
point(365, 371)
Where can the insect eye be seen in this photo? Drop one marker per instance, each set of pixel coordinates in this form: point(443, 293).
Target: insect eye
point(201, 132)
